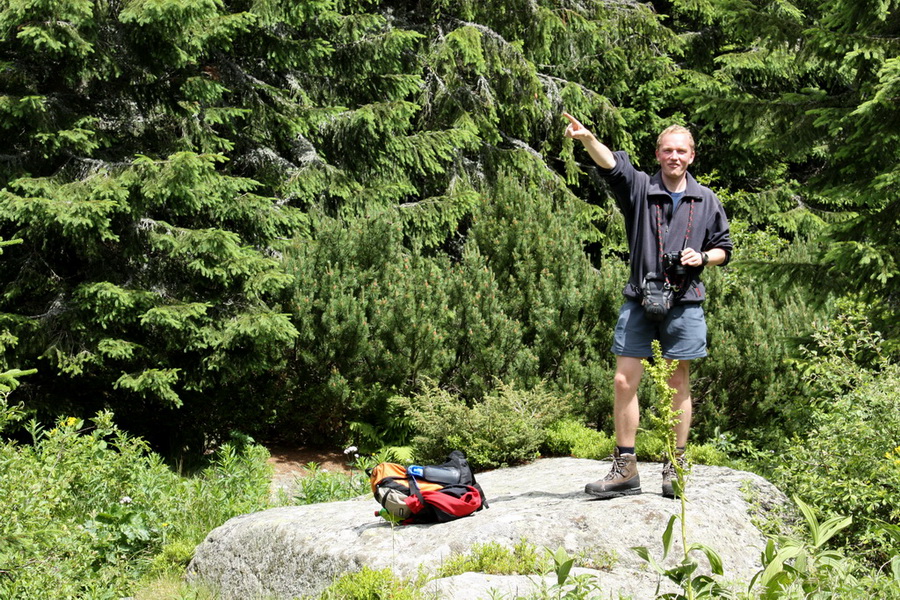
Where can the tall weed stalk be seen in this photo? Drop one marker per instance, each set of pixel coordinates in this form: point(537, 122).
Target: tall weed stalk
point(682, 574)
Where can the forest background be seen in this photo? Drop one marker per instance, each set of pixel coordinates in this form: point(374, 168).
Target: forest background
point(346, 221)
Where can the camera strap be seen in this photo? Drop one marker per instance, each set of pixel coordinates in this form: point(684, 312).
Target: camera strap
point(659, 236)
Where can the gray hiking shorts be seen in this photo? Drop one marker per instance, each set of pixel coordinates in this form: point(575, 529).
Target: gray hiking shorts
point(682, 334)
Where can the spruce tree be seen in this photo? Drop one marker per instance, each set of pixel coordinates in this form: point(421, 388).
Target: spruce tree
point(148, 278)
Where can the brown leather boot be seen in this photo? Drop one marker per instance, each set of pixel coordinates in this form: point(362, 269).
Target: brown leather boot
point(623, 478)
point(672, 485)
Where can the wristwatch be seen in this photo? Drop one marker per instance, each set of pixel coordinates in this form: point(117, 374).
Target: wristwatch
point(705, 257)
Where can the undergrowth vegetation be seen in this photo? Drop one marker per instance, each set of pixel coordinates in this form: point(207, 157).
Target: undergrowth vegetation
point(88, 511)
point(122, 521)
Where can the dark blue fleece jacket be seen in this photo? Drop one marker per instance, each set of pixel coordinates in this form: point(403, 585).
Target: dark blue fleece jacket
point(644, 199)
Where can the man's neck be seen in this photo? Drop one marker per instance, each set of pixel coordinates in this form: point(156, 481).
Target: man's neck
point(675, 185)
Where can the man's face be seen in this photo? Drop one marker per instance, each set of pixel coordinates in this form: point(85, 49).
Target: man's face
point(674, 154)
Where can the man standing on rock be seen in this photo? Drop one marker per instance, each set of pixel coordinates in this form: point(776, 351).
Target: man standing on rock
point(675, 228)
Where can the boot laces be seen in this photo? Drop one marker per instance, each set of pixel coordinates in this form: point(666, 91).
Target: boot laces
point(669, 467)
point(618, 468)
point(669, 470)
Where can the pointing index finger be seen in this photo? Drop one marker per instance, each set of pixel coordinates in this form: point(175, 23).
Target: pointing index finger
point(572, 120)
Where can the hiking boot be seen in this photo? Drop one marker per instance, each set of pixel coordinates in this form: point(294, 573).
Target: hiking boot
point(623, 478)
point(672, 486)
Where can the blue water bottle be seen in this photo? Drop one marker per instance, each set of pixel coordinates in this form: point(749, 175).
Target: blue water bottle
point(445, 475)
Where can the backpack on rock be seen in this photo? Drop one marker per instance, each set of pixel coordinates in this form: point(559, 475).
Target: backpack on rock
point(429, 494)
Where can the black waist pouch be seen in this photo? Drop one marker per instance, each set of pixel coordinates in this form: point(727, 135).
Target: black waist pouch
point(656, 297)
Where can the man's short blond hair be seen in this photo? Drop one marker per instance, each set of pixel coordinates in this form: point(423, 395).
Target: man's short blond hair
point(675, 129)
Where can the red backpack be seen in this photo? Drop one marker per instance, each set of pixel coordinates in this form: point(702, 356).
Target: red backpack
point(429, 494)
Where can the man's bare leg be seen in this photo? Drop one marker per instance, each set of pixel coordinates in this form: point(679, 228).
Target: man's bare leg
point(626, 410)
point(623, 478)
point(680, 381)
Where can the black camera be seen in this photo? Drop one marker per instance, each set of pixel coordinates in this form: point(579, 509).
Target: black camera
point(672, 262)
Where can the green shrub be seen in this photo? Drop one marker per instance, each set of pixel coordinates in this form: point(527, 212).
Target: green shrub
point(237, 482)
point(173, 557)
point(369, 584)
point(747, 385)
point(77, 512)
point(496, 559)
point(849, 463)
point(803, 565)
point(706, 454)
point(571, 437)
point(506, 427)
point(174, 587)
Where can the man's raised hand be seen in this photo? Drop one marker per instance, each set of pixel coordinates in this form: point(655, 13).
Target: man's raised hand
point(575, 129)
point(600, 153)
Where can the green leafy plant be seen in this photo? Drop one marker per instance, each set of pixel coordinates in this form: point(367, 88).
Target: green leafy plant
point(792, 566)
point(562, 565)
point(847, 464)
point(684, 573)
point(319, 485)
point(843, 352)
point(568, 586)
point(89, 510)
point(526, 559)
point(847, 461)
point(173, 587)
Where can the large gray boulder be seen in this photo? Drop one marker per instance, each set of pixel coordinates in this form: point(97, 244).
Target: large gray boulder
point(297, 551)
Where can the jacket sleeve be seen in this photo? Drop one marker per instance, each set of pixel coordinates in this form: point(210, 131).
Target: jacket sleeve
point(718, 231)
point(621, 179)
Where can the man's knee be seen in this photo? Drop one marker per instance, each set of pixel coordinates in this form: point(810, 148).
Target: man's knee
point(623, 382)
point(680, 380)
point(628, 375)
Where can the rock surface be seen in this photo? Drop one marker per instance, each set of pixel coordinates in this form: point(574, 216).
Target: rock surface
point(297, 551)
